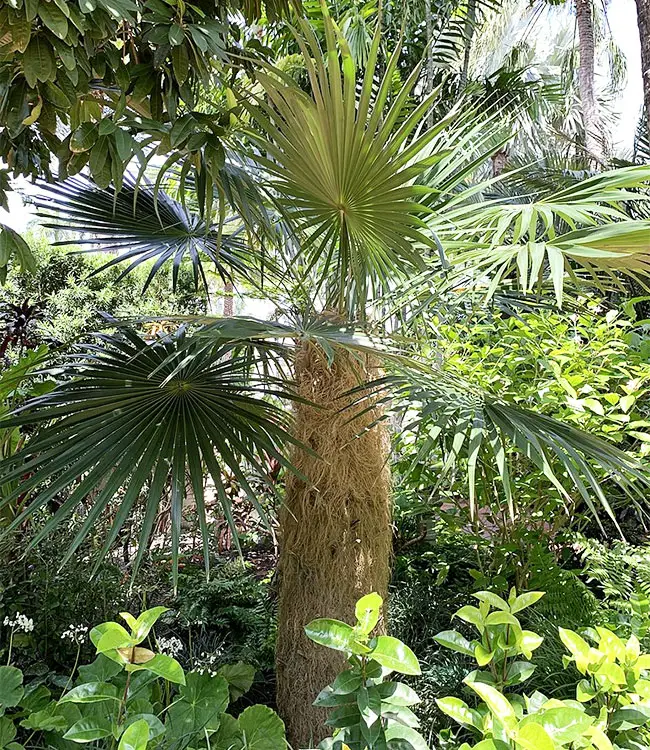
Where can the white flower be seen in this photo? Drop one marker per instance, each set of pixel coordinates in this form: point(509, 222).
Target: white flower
point(75, 633)
point(19, 622)
point(171, 646)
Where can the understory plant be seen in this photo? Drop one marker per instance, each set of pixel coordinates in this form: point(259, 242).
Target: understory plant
point(611, 710)
point(134, 698)
point(369, 711)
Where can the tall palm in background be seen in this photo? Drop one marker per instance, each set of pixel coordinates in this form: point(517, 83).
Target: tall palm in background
point(365, 202)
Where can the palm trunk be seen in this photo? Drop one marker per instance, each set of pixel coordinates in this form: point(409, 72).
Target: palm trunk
point(643, 20)
point(336, 533)
point(586, 79)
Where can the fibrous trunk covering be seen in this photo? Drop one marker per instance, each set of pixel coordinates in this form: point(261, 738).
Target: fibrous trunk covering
point(336, 531)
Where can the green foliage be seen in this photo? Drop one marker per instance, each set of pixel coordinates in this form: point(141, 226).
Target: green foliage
point(231, 613)
point(610, 709)
point(66, 62)
point(501, 638)
point(588, 370)
point(621, 572)
point(137, 698)
point(74, 294)
point(368, 711)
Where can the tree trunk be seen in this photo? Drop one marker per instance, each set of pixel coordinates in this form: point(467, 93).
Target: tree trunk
point(336, 533)
point(470, 27)
point(643, 20)
point(586, 80)
point(228, 299)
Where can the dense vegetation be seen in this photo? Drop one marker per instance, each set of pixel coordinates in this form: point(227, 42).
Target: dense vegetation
point(400, 500)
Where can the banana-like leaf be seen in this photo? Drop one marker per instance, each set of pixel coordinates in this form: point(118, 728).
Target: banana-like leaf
point(461, 424)
point(143, 421)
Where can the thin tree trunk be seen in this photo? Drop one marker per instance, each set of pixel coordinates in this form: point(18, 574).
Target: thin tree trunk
point(228, 299)
point(336, 533)
point(643, 20)
point(470, 25)
point(430, 66)
point(586, 79)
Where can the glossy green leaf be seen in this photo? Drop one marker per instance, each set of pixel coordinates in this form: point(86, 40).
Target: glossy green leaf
point(91, 692)
point(393, 654)
point(455, 641)
point(135, 736)
point(88, 730)
point(367, 611)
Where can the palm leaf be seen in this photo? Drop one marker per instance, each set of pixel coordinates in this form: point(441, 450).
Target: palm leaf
point(139, 418)
point(343, 164)
point(470, 428)
point(140, 224)
point(584, 225)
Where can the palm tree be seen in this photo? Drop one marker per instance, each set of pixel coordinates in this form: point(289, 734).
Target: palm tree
point(365, 200)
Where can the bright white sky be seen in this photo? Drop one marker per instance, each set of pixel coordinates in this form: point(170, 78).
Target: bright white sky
point(622, 21)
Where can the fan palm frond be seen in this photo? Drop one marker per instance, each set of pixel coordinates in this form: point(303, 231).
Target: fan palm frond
point(143, 420)
point(471, 428)
point(343, 164)
point(140, 224)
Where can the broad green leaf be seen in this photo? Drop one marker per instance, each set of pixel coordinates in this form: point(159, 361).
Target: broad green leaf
point(91, 692)
point(331, 633)
point(518, 672)
point(164, 666)
point(454, 641)
point(398, 694)
point(135, 737)
point(367, 612)
point(88, 730)
point(146, 621)
point(239, 677)
point(459, 711)
point(579, 648)
point(7, 731)
point(393, 654)
point(112, 637)
point(533, 737)
point(404, 738)
point(523, 601)
point(472, 615)
point(563, 724)
point(262, 729)
point(347, 682)
point(201, 702)
point(11, 687)
point(494, 600)
point(499, 705)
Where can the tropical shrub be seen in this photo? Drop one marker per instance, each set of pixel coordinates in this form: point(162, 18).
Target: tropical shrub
point(611, 708)
point(369, 712)
point(135, 698)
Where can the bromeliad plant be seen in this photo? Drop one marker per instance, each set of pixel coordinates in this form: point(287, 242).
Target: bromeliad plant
point(369, 712)
point(132, 698)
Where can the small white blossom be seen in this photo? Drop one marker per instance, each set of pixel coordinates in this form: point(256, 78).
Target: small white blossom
point(76, 633)
point(171, 646)
point(19, 622)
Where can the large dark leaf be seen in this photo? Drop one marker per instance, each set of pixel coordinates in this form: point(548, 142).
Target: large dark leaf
point(139, 419)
